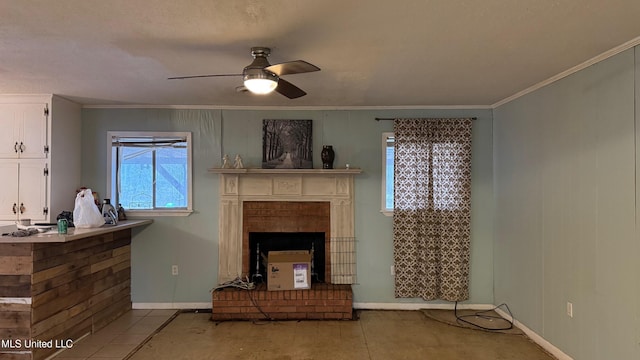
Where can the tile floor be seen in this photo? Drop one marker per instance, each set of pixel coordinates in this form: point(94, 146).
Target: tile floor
point(118, 339)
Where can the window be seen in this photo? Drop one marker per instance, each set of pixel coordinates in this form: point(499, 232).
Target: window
point(388, 147)
point(149, 173)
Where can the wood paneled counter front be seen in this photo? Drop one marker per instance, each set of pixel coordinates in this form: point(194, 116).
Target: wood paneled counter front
point(54, 289)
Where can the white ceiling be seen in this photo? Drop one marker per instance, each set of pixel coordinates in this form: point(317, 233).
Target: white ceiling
point(372, 52)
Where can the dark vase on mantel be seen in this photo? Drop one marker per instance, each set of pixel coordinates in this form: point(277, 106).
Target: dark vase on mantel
point(327, 155)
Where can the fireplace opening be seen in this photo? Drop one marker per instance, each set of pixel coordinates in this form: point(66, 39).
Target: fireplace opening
point(260, 243)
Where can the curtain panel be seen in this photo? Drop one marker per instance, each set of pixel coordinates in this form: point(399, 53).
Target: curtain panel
point(432, 208)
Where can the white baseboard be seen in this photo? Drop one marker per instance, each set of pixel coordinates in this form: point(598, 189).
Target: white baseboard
point(418, 306)
point(170, 306)
point(536, 338)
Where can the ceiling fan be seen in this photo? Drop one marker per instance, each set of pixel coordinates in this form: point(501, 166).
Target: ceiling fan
point(260, 77)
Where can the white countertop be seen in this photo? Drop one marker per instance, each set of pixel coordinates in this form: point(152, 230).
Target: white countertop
point(73, 233)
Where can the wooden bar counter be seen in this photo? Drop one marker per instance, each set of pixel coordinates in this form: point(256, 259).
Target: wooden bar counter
point(54, 289)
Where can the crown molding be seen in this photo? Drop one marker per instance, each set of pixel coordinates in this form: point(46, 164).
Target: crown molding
point(596, 59)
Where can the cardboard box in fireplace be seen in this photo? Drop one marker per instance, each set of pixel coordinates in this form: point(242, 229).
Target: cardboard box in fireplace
point(288, 270)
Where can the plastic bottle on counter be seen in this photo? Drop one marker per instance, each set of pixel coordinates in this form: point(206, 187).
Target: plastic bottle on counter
point(121, 214)
point(109, 212)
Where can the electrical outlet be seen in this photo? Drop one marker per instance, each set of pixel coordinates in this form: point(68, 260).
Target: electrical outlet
point(569, 309)
point(393, 270)
point(174, 269)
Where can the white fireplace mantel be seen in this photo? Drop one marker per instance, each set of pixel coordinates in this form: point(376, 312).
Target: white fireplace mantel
point(335, 186)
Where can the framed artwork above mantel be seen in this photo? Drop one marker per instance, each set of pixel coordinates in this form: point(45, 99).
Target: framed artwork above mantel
point(287, 144)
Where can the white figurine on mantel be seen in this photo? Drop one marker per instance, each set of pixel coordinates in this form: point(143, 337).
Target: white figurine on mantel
point(225, 162)
point(237, 163)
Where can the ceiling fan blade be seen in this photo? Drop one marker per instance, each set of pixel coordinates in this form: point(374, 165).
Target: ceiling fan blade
point(201, 76)
point(289, 90)
point(292, 67)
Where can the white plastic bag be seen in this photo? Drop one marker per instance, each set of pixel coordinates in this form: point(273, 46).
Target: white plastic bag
point(86, 213)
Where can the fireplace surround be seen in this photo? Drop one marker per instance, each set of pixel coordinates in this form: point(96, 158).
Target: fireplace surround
point(287, 200)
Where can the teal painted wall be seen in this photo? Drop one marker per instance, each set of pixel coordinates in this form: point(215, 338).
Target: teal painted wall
point(192, 242)
point(566, 186)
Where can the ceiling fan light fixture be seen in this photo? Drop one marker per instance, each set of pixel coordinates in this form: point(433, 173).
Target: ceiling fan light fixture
point(260, 86)
point(262, 82)
point(260, 77)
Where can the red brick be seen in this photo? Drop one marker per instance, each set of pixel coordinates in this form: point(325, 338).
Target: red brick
point(335, 302)
point(228, 310)
point(220, 303)
point(305, 308)
point(269, 309)
point(315, 315)
point(324, 309)
point(322, 294)
point(247, 309)
point(333, 316)
point(286, 309)
point(242, 303)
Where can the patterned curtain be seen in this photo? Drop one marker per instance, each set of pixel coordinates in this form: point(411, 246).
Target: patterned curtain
point(432, 210)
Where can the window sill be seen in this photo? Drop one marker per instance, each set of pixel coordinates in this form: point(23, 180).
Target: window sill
point(156, 213)
point(387, 212)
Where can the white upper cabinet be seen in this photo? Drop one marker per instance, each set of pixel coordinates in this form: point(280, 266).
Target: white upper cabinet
point(40, 137)
point(25, 134)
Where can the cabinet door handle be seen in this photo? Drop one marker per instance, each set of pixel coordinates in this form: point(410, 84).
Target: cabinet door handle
point(15, 147)
point(21, 147)
point(14, 208)
point(21, 208)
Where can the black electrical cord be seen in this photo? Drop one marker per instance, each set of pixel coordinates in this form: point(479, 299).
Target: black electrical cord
point(484, 315)
point(244, 285)
point(255, 304)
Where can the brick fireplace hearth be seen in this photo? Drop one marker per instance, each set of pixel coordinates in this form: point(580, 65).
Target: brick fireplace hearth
point(322, 302)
